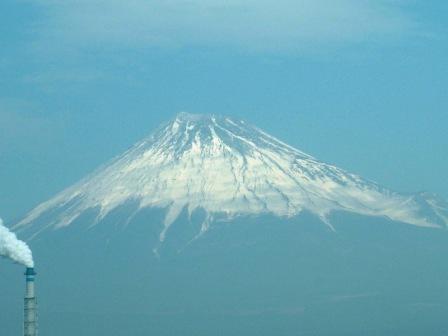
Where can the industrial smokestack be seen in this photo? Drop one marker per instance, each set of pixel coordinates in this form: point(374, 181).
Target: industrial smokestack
point(30, 308)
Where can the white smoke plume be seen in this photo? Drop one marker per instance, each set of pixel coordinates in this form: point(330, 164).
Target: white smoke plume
point(13, 248)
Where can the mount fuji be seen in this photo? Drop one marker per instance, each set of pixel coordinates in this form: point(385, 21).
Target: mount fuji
point(211, 226)
point(228, 168)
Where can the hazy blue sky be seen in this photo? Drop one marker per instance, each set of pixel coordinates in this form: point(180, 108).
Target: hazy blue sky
point(362, 84)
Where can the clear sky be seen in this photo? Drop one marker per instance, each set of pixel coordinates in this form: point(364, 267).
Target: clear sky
point(362, 84)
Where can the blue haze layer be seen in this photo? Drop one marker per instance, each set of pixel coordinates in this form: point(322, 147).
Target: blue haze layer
point(370, 97)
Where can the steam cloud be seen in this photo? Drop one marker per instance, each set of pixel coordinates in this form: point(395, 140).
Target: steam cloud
point(13, 248)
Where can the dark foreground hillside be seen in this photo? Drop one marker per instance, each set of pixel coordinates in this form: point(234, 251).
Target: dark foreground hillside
point(251, 276)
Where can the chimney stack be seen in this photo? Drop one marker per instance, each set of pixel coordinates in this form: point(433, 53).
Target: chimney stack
point(30, 308)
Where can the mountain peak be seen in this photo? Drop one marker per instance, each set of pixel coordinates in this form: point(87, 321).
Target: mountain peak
point(193, 117)
point(229, 168)
point(212, 134)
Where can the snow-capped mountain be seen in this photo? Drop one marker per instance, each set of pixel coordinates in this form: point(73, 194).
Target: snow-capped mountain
point(211, 226)
point(229, 168)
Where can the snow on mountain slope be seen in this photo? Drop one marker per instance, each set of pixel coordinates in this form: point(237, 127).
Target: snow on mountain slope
point(230, 168)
